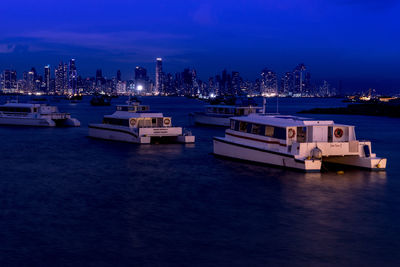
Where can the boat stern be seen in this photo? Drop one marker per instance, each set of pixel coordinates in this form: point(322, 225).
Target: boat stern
point(312, 165)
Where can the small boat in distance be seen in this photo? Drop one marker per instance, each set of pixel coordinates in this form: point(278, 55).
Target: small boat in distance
point(74, 98)
point(135, 123)
point(27, 114)
point(295, 142)
point(220, 114)
point(100, 100)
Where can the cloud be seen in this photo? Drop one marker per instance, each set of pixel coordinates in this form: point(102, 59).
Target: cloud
point(7, 48)
point(122, 46)
point(113, 40)
point(204, 15)
point(368, 4)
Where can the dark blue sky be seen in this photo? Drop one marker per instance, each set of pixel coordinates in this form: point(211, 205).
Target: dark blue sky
point(357, 41)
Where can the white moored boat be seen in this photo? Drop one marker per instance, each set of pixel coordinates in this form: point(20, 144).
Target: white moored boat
point(294, 142)
point(136, 124)
point(219, 115)
point(27, 114)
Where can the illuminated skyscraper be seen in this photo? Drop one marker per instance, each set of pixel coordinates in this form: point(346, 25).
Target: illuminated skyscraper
point(61, 76)
point(47, 78)
point(31, 80)
point(287, 83)
point(9, 81)
point(299, 75)
point(141, 79)
point(159, 75)
point(269, 83)
point(236, 82)
point(73, 77)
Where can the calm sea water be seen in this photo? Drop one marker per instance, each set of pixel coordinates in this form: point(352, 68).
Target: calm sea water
point(67, 200)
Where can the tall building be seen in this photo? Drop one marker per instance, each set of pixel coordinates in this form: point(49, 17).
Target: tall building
point(32, 75)
point(119, 75)
point(140, 73)
point(61, 78)
point(9, 81)
point(141, 80)
point(73, 78)
point(236, 82)
point(287, 85)
point(99, 75)
point(159, 76)
point(269, 83)
point(47, 78)
point(299, 75)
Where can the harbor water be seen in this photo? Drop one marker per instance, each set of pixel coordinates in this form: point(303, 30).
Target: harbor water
point(68, 200)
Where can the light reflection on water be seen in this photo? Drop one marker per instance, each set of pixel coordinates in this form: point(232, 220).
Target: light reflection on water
point(70, 200)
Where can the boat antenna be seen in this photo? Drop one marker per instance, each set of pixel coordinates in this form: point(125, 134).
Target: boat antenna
point(277, 101)
point(264, 105)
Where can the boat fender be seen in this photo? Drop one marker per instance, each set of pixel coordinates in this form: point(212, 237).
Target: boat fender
point(132, 122)
point(167, 121)
point(316, 153)
point(291, 133)
point(338, 133)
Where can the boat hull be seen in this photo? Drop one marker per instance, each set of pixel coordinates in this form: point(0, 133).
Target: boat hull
point(226, 148)
point(369, 163)
point(106, 132)
point(23, 121)
point(202, 119)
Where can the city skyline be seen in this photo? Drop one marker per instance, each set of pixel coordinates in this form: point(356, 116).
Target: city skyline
point(338, 40)
point(68, 81)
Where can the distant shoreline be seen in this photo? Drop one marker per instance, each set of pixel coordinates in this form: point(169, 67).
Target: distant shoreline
point(367, 109)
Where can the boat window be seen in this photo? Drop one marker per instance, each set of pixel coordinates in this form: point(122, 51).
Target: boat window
point(160, 122)
point(154, 121)
point(243, 126)
point(236, 126)
point(280, 133)
point(15, 109)
point(147, 122)
point(301, 134)
point(269, 131)
point(239, 112)
point(232, 125)
point(330, 134)
point(256, 129)
point(249, 127)
point(115, 121)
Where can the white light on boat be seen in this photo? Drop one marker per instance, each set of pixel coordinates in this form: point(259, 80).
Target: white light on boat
point(212, 95)
point(140, 88)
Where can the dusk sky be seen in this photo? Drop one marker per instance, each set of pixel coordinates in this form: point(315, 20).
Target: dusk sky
point(356, 41)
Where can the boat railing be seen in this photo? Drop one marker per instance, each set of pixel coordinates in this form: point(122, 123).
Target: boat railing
point(10, 114)
point(155, 126)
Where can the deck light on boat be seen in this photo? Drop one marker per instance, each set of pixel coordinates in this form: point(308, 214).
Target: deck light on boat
point(212, 95)
point(140, 87)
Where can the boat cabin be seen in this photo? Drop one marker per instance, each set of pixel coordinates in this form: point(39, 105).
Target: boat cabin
point(292, 129)
point(133, 108)
point(145, 120)
point(26, 108)
point(232, 110)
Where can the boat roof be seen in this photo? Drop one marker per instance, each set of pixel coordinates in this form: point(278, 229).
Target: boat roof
point(128, 115)
point(21, 105)
point(132, 105)
point(231, 106)
point(285, 120)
